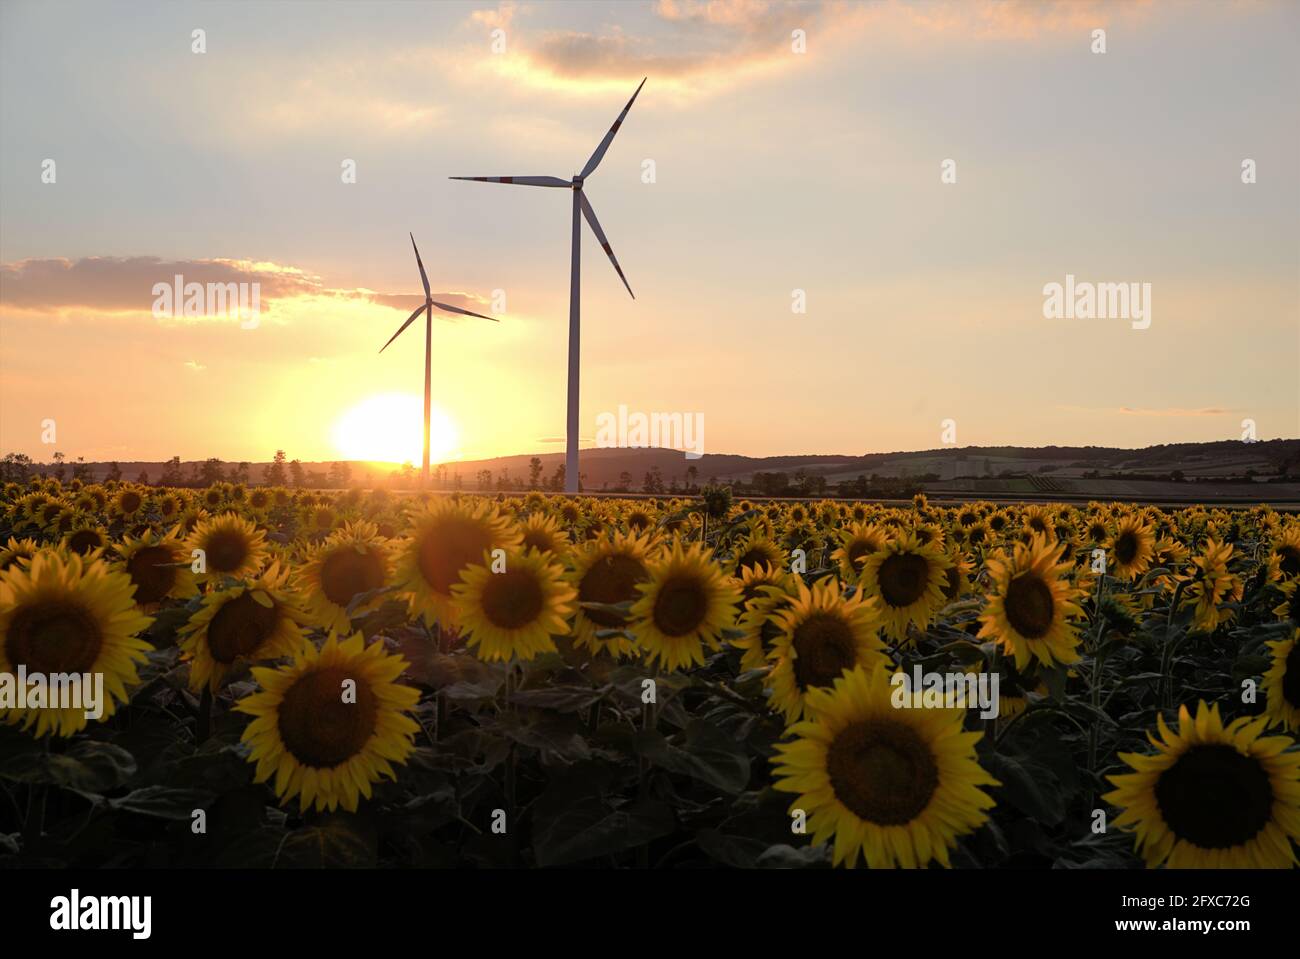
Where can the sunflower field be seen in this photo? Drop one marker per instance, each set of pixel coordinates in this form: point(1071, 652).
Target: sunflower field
point(295, 678)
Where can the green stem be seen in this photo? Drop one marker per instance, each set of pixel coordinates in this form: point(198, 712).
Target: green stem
point(1167, 652)
point(204, 728)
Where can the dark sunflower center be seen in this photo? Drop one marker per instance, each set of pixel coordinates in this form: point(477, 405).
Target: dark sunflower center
point(882, 771)
point(345, 572)
point(638, 521)
point(150, 571)
point(611, 579)
point(53, 636)
point(318, 726)
point(513, 599)
point(1126, 548)
point(752, 557)
point(1214, 797)
point(858, 552)
point(540, 540)
point(1291, 678)
point(449, 547)
point(1030, 606)
point(130, 502)
point(240, 627)
point(903, 578)
point(680, 607)
point(824, 648)
point(1290, 560)
point(84, 540)
point(227, 549)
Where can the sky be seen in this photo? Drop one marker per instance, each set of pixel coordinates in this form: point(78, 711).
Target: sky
point(779, 155)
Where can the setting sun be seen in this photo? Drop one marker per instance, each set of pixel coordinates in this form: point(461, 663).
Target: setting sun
point(388, 428)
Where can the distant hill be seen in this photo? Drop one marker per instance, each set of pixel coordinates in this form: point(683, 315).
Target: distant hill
point(1188, 468)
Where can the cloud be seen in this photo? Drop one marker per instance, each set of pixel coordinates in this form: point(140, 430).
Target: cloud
point(125, 285)
point(194, 366)
point(697, 46)
point(1175, 411)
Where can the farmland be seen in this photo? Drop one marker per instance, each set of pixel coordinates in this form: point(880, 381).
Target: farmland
point(358, 677)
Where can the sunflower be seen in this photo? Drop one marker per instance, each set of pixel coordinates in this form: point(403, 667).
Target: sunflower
point(446, 537)
point(896, 785)
point(64, 614)
point(317, 519)
point(1131, 548)
point(607, 572)
point(685, 605)
point(857, 543)
point(169, 507)
point(1032, 601)
point(259, 501)
point(543, 533)
point(820, 635)
point(1285, 559)
point(353, 560)
point(758, 549)
point(212, 497)
point(128, 503)
point(159, 566)
point(86, 537)
point(17, 551)
point(1282, 684)
point(247, 623)
point(1211, 585)
point(957, 576)
point(758, 623)
point(909, 579)
point(1289, 608)
point(1213, 795)
point(514, 612)
point(232, 546)
point(330, 724)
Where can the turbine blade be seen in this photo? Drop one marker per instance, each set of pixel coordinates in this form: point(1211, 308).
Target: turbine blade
point(420, 309)
point(423, 276)
point(599, 155)
point(518, 180)
point(448, 308)
point(590, 214)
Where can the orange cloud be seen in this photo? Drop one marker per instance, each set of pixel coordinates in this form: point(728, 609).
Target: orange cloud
point(710, 44)
point(113, 285)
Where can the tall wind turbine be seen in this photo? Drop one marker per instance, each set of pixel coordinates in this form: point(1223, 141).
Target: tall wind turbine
point(580, 203)
point(427, 310)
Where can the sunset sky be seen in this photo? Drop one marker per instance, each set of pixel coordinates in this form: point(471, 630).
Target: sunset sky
point(774, 171)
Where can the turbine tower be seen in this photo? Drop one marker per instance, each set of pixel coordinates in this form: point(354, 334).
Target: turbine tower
point(427, 309)
point(583, 206)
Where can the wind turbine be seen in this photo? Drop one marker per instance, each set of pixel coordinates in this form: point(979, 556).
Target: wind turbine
point(427, 309)
point(580, 203)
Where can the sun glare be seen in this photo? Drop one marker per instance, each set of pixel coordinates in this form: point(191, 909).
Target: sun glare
point(389, 428)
